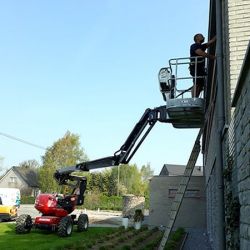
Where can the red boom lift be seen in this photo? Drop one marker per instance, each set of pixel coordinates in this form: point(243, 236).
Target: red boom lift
point(57, 211)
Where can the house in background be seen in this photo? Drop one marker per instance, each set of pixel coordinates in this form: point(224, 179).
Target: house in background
point(163, 188)
point(26, 179)
point(175, 170)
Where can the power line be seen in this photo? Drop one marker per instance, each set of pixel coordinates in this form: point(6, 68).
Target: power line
point(22, 141)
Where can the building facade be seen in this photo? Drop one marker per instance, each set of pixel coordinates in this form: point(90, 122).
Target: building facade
point(226, 137)
point(24, 179)
point(162, 191)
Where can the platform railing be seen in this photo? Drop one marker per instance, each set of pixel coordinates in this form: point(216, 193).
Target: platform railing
point(175, 64)
point(176, 77)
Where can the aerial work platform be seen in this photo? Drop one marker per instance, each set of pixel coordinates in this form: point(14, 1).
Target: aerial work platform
point(177, 87)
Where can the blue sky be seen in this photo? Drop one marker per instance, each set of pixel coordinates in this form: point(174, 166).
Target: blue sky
point(91, 67)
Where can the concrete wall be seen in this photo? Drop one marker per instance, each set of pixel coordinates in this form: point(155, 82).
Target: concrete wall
point(193, 209)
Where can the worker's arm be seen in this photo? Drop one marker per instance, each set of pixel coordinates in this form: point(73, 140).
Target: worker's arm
point(200, 52)
point(211, 41)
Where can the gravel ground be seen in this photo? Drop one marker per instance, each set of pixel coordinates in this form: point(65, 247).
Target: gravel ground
point(96, 218)
point(197, 240)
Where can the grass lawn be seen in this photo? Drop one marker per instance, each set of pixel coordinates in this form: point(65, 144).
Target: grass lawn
point(41, 240)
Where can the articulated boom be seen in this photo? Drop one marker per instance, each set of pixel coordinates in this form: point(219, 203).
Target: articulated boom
point(127, 150)
point(181, 111)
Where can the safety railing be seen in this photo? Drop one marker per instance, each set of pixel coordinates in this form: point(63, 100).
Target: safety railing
point(176, 80)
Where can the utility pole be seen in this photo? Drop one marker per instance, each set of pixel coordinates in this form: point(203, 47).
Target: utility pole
point(118, 179)
point(1, 163)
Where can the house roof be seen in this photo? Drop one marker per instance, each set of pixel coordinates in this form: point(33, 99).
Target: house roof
point(28, 175)
point(164, 170)
point(176, 170)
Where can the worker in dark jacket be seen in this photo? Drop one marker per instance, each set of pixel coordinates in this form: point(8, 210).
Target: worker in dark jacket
point(197, 66)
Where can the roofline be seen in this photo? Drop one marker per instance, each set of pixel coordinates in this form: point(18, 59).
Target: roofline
point(242, 76)
point(6, 173)
point(16, 171)
point(179, 165)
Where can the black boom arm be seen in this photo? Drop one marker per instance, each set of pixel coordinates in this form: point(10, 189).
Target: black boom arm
point(127, 150)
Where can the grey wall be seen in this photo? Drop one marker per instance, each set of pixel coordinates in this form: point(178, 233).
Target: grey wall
point(242, 156)
point(192, 213)
point(5, 182)
point(236, 35)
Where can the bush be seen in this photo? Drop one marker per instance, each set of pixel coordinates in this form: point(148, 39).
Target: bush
point(95, 200)
point(174, 239)
point(27, 200)
point(92, 201)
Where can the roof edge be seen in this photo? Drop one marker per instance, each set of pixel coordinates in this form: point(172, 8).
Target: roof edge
point(243, 73)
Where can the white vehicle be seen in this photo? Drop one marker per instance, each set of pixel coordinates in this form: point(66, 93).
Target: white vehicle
point(9, 202)
point(10, 196)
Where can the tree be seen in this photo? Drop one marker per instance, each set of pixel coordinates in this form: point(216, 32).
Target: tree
point(129, 178)
point(31, 164)
point(64, 152)
point(99, 181)
point(112, 183)
point(146, 172)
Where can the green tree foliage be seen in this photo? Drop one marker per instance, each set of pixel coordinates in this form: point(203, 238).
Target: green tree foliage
point(146, 172)
point(131, 180)
point(112, 183)
point(100, 181)
point(64, 152)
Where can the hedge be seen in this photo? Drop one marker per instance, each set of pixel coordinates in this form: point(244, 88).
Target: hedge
point(93, 201)
point(27, 199)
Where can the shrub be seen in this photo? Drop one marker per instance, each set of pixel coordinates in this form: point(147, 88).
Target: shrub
point(27, 199)
point(174, 239)
point(126, 247)
point(95, 200)
point(138, 216)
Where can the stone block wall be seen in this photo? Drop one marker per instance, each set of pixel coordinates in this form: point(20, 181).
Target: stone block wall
point(242, 137)
point(131, 203)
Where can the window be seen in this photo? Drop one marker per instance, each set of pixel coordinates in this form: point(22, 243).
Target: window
point(13, 179)
point(190, 193)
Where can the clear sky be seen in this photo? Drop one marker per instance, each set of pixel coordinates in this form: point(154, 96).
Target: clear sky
point(91, 67)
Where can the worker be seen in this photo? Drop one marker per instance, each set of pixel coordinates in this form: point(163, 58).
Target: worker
point(197, 66)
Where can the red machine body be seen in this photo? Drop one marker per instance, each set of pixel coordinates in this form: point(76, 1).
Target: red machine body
point(56, 211)
point(53, 208)
point(46, 221)
point(55, 205)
